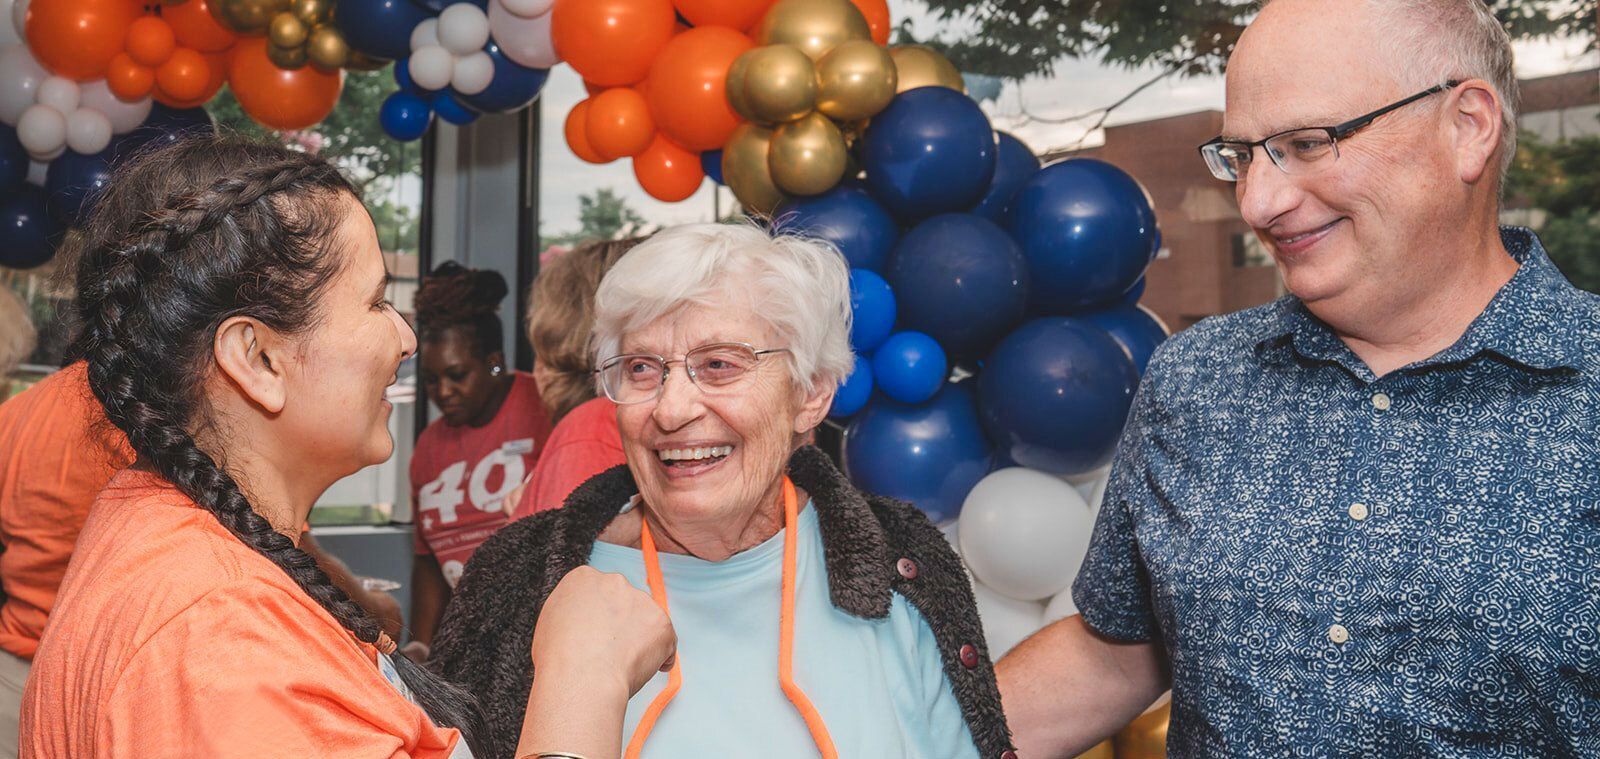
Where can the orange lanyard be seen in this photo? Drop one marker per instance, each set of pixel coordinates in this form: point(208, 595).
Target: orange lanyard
point(658, 591)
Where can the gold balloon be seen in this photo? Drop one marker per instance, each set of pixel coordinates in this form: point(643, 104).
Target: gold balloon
point(288, 58)
point(780, 84)
point(808, 156)
point(1146, 736)
point(814, 26)
point(921, 66)
point(735, 86)
point(250, 16)
point(312, 12)
point(287, 31)
point(856, 80)
point(327, 49)
point(1102, 750)
point(744, 166)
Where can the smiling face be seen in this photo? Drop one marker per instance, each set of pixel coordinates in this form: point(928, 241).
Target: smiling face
point(1354, 236)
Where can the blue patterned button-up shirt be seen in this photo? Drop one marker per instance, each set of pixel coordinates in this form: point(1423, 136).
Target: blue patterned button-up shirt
point(1342, 565)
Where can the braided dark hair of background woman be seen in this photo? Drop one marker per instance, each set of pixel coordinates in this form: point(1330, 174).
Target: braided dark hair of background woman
point(186, 238)
point(455, 297)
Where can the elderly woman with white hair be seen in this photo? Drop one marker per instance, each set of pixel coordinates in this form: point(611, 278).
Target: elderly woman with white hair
point(812, 619)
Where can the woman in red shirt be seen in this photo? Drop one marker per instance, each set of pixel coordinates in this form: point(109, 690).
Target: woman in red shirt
point(492, 429)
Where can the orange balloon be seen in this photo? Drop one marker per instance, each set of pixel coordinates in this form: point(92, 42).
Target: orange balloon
point(688, 86)
point(619, 123)
point(78, 38)
point(277, 98)
point(592, 88)
point(196, 27)
point(668, 172)
point(218, 65)
point(128, 80)
point(184, 76)
point(150, 41)
point(877, 13)
point(577, 134)
point(734, 14)
point(611, 42)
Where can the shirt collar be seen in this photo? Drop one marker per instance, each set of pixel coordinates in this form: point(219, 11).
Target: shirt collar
point(1529, 321)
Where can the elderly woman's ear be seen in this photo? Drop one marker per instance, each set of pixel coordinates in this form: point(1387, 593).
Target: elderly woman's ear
point(814, 406)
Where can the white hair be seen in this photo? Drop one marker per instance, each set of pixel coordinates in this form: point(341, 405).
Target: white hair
point(16, 332)
point(799, 286)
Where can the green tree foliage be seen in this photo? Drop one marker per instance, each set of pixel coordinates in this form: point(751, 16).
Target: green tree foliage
point(1563, 179)
point(604, 215)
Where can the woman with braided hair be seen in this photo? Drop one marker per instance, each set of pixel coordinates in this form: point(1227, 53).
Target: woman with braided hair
point(231, 297)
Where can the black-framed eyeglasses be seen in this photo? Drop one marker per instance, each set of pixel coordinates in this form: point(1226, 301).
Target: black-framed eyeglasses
point(1297, 151)
point(717, 369)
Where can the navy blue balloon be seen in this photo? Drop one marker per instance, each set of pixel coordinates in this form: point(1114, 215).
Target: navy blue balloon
point(1133, 328)
point(14, 160)
point(930, 455)
point(74, 182)
point(27, 231)
point(1087, 229)
point(848, 217)
point(872, 305)
point(1055, 394)
point(959, 278)
point(910, 367)
point(438, 6)
point(854, 391)
point(448, 107)
point(1014, 165)
point(379, 28)
point(164, 126)
point(930, 151)
point(513, 88)
point(405, 116)
point(711, 164)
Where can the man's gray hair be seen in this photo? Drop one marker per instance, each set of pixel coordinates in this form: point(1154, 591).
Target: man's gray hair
point(798, 286)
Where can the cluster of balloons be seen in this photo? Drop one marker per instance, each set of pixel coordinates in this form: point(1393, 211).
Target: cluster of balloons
point(177, 57)
point(304, 33)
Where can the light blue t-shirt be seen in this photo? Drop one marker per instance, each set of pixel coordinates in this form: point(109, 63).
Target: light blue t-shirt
point(878, 684)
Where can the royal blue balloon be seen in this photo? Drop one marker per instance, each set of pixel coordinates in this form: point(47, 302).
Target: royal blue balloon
point(448, 107)
point(931, 151)
point(513, 88)
point(1055, 394)
point(379, 28)
point(1086, 229)
point(405, 116)
point(74, 182)
point(27, 231)
point(848, 217)
point(1014, 165)
point(930, 455)
point(1134, 293)
point(438, 6)
point(910, 367)
point(959, 278)
point(711, 164)
point(872, 305)
point(14, 160)
point(1133, 328)
point(854, 391)
point(402, 76)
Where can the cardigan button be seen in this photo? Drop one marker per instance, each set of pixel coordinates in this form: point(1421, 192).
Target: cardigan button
point(907, 568)
point(969, 656)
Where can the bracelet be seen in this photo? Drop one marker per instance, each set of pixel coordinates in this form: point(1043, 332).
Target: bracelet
point(554, 755)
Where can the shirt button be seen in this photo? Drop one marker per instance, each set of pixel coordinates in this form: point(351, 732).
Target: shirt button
point(969, 656)
point(1358, 511)
point(1338, 634)
point(1381, 401)
point(907, 568)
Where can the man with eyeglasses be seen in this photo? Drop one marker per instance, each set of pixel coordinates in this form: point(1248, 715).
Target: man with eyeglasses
point(1363, 520)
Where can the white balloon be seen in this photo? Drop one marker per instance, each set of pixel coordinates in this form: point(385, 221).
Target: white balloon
point(38, 172)
point(473, 72)
point(124, 116)
point(463, 29)
point(1025, 533)
point(426, 34)
point(525, 41)
point(1006, 621)
point(523, 8)
point(59, 93)
point(88, 131)
point(431, 67)
point(20, 76)
point(9, 34)
point(19, 18)
point(1060, 607)
point(1098, 495)
point(42, 130)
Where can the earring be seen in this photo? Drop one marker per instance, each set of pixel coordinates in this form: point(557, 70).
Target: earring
point(496, 370)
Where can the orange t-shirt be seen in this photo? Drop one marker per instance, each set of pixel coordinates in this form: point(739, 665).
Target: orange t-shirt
point(56, 452)
point(172, 638)
point(584, 443)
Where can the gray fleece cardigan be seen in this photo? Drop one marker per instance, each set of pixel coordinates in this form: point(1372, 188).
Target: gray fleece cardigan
point(872, 546)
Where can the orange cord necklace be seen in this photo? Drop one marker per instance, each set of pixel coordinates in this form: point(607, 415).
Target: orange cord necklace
point(658, 591)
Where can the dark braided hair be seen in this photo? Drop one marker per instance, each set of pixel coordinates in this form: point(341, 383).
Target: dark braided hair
point(186, 238)
point(455, 297)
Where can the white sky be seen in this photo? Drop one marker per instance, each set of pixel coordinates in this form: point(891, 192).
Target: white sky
point(1076, 87)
